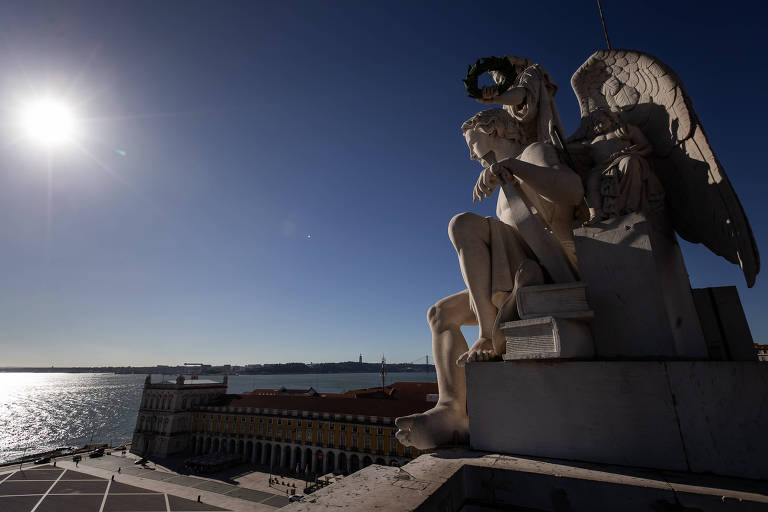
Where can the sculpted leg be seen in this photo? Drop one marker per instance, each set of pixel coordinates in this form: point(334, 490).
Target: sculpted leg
point(447, 422)
point(471, 237)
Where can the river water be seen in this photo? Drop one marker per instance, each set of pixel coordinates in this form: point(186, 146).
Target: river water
point(42, 411)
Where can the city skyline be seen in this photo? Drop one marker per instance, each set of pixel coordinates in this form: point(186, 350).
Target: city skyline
point(273, 183)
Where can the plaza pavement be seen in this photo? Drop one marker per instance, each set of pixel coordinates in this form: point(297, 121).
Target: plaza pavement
point(90, 487)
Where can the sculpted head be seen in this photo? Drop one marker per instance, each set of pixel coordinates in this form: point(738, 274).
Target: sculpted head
point(492, 132)
point(603, 120)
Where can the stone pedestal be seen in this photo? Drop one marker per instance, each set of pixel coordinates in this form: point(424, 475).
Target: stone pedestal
point(699, 416)
point(638, 288)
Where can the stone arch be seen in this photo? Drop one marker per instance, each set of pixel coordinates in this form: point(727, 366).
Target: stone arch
point(354, 463)
point(231, 446)
point(216, 445)
point(380, 461)
point(248, 455)
point(240, 447)
point(278, 452)
point(286, 456)
point(367, 461)
point(307, 461)
point(317, 462)
point(259, 451)
point(297, 460)
point(329, 462)
point(343, 467)
point(268, 453)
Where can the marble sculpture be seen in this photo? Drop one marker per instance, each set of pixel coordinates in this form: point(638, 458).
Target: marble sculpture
point(645, 151)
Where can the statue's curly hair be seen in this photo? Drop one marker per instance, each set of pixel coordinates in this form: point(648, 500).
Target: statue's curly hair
point(494, 121)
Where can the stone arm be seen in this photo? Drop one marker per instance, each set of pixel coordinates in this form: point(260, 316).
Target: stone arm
point(557, 184)
point(640, 144)
point(539, 167)
point(513, 96)
point(579, 147)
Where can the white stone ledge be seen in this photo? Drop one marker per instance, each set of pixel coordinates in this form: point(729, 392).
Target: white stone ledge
point(452, 480)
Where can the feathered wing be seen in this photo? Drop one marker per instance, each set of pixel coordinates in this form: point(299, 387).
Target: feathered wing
point(701, 202)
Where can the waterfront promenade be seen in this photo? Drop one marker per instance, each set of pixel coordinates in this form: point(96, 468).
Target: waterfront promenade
point(90, 486)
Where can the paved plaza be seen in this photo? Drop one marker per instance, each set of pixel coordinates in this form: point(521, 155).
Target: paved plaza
point(115, 484)
point(50, 489)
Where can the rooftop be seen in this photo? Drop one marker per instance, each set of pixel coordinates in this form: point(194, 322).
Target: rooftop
point(398, 399)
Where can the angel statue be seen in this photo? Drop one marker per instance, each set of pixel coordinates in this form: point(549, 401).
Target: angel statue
point(622, 181)
point(644, 116)
point(640, 90)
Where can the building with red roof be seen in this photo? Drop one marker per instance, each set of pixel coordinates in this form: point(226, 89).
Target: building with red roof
point(295, 430)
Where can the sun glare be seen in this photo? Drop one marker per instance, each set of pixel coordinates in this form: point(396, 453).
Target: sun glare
point(48, 122)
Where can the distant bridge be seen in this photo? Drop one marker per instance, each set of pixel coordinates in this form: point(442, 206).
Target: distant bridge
point(422, 360)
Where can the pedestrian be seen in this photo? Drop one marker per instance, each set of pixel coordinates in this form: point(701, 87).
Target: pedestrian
point(198, 499)
point(113, 477)
point(54, 463)
point(118, 469)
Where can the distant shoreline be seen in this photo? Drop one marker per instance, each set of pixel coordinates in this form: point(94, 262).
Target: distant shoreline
point(267, 369)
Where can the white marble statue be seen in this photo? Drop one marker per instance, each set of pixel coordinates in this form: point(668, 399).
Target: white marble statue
point(521, 149)
point(495, 261)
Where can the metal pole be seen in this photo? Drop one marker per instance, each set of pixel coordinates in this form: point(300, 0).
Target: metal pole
point(22, 457)
point(602, 18)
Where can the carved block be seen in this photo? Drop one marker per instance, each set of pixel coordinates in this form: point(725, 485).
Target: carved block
point(638, 287)
point(547, 337)
point(699, 416)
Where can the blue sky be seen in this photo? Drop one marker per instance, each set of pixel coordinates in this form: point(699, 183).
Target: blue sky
point(248, 127)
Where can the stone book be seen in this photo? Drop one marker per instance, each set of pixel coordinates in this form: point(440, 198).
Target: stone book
point(562, 300)
point(547, 337)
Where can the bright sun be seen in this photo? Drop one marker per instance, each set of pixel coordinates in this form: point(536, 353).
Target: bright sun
point(48, 122)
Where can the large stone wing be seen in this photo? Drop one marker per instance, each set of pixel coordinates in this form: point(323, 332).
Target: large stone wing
point(701, 202)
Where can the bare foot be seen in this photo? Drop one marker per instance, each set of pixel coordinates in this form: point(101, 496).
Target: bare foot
point(441, 425)
point(481, 350)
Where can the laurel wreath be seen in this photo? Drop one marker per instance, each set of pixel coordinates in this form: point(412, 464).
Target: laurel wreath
point(484, 65)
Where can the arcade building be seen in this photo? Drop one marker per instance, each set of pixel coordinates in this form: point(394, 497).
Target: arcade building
point(285, 429)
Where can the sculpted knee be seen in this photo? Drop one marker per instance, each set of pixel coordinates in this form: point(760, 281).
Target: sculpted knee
point(432, 315)
point(460, 225)
point(439, 318)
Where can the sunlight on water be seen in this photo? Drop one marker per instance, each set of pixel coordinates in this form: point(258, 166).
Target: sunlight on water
point(43, 411)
